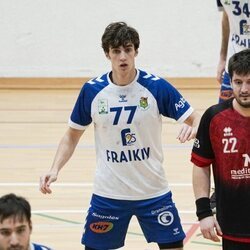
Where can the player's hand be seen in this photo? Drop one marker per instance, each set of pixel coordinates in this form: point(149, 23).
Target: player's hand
point(210, 228)
point(45, 182)
point(186, 133)
point(220, 69)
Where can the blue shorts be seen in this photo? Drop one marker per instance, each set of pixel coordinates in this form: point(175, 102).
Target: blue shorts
point(226, 90)
point(108, 219)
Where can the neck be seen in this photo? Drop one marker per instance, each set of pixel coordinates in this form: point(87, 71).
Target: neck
point(123, 79)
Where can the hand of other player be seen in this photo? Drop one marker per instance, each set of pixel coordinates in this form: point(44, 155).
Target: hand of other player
point(186, 133)
point(45, 182)
point(220, 70)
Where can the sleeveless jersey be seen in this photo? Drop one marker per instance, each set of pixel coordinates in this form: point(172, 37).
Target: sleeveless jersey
point(223, 140)
point(239, 22)
point(128, 124)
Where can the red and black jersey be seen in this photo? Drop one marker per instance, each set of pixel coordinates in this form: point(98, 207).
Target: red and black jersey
point(223, 140)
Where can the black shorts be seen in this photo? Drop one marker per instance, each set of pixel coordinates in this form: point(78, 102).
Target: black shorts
point(234, 245)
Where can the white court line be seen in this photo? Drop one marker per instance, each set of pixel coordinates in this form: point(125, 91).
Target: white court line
point(69, 184)
point(36, 184)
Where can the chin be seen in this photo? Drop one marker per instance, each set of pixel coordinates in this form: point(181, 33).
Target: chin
point(244, 104)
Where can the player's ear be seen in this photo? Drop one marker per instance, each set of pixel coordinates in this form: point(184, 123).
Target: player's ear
point(107, 55)
point(31, 227)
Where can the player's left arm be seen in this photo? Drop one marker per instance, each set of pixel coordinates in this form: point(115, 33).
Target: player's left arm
point(189, 128)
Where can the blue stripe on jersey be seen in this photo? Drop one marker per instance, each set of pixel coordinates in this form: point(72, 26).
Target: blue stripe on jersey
point(170, 102)
point(83, 103)
point(40, 247)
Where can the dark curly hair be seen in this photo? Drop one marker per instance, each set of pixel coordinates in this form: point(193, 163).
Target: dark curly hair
point(119, 34)
point(14, 206)
point(239, 63)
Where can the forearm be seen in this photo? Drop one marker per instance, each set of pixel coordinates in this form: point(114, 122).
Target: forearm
point(224, 37)
point(65, 149)
point(201, 181)
point(201, 185)
point(193, 120)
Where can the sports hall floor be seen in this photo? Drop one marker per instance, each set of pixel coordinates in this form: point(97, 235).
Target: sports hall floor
point(32, 123)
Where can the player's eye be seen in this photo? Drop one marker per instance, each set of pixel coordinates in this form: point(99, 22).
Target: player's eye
point(128, 50)
point(21, 230)
point(5, 233)
point(238, 82)
point(116, 51)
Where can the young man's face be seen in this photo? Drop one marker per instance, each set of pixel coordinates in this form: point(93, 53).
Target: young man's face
point(122, 58)
point(14, 234)
point(241, 89)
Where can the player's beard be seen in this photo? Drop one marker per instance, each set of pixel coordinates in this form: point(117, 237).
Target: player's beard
point(19, 248)
point(16, 248)
point(241, 103)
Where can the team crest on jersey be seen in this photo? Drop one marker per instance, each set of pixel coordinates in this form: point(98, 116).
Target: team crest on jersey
point(103, 106)
point(227, 2)
point(144, 103)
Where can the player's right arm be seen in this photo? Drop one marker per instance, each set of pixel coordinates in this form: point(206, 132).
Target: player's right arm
point(201, 186)
point(224, 45)
point(64, 152)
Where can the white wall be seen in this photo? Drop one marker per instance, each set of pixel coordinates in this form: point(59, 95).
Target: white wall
point(61, 38)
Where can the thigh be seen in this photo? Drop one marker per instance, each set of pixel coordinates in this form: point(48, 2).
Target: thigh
point(159, 220)
point(234, 245)
point(106, 223)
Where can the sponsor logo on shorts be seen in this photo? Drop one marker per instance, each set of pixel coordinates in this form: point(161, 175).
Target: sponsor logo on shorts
point(101, 227)
point(157, 211)
point(106, 217)
point(176, 231)
point(166, 218)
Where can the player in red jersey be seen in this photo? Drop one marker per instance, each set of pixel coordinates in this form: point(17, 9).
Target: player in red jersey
point(223, 142)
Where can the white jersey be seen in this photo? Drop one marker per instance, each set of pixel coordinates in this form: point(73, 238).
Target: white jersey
point(128, 125)
point(238, 13)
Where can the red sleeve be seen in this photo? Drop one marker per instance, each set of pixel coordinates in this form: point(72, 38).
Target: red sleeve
point(200, 161)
